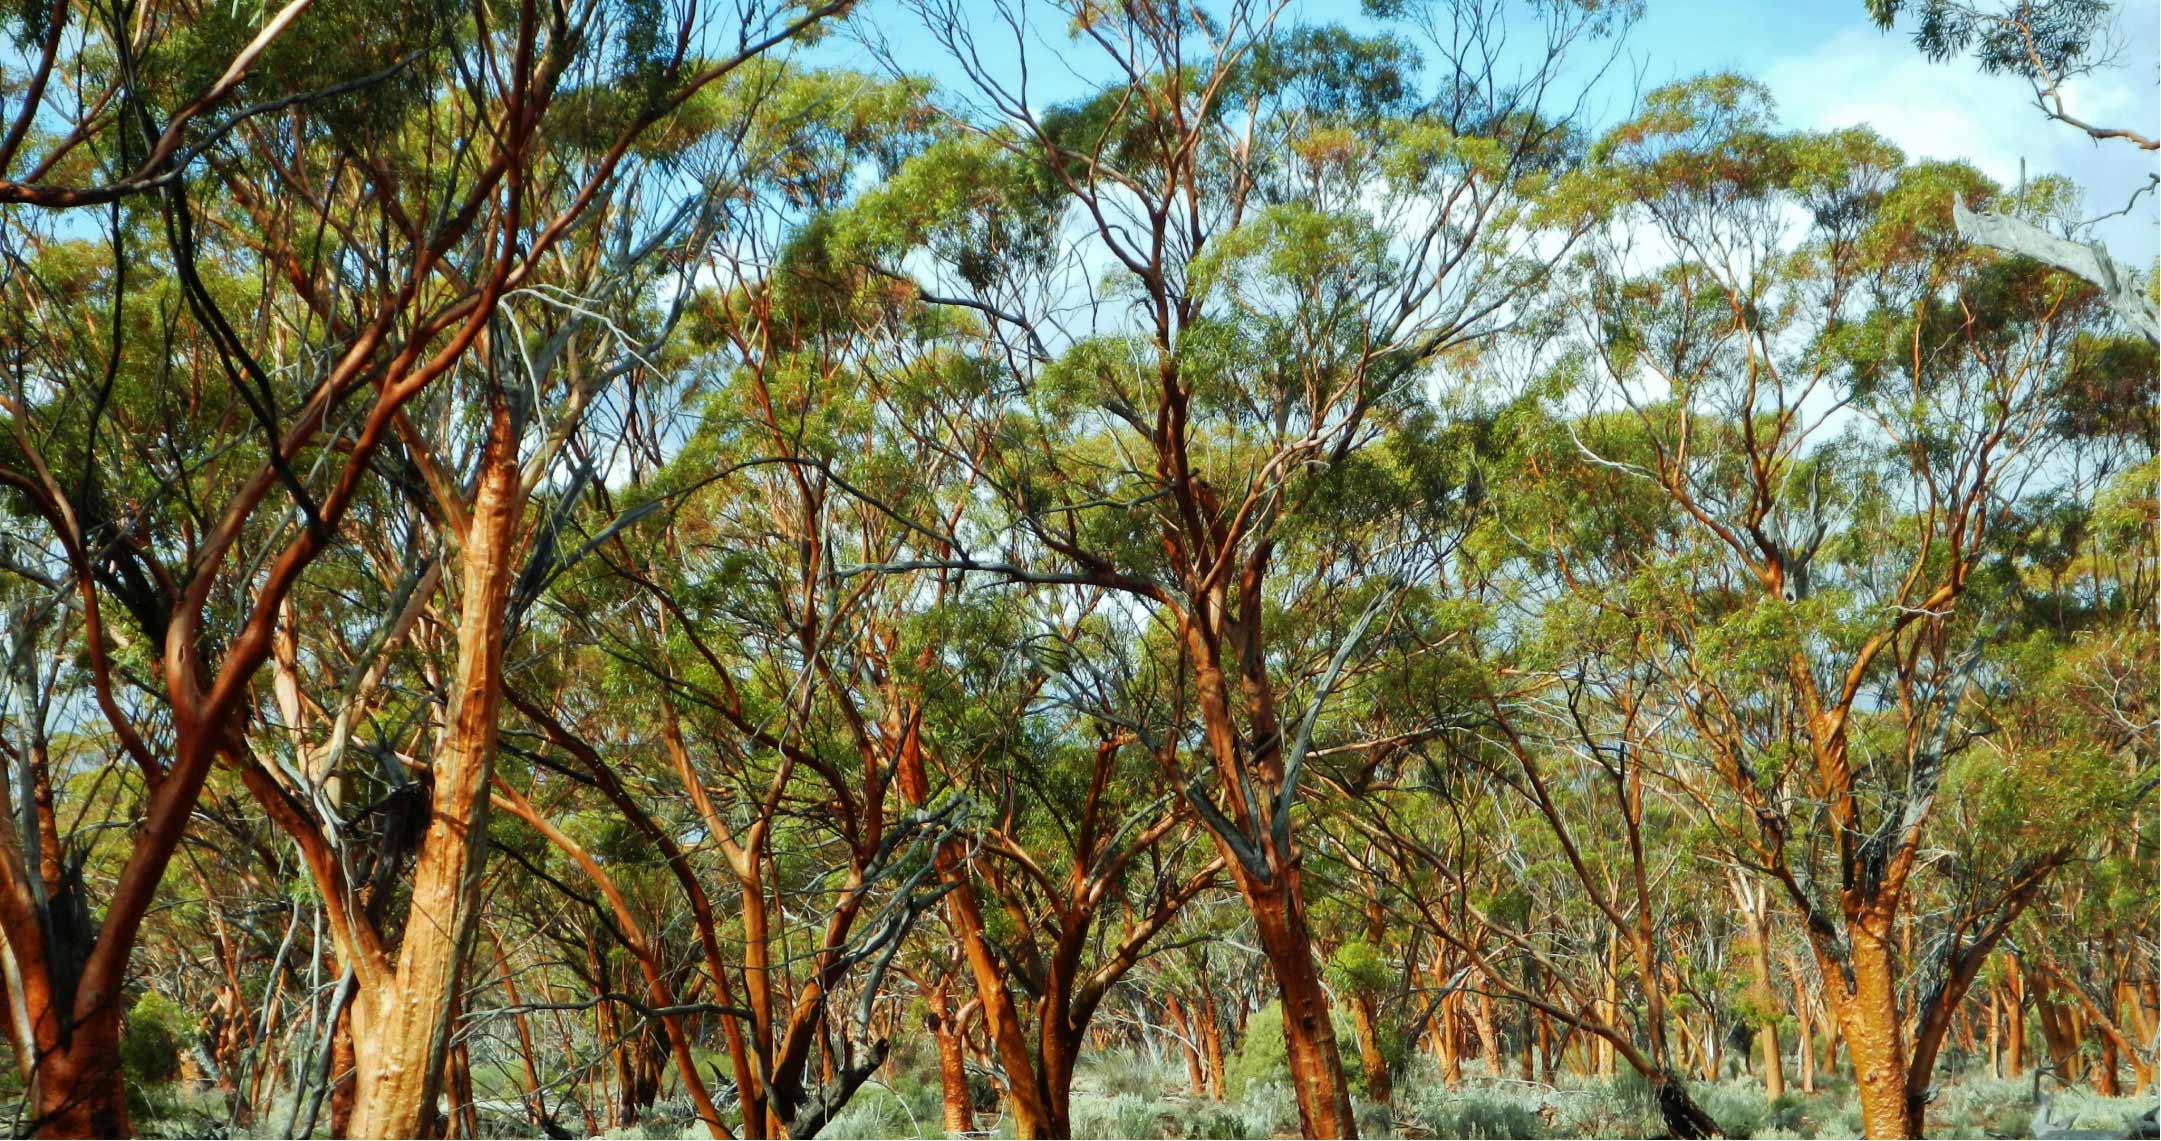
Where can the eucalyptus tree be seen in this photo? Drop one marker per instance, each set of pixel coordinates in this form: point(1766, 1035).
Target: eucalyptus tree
point(1533, 833)
point(1206, 280)
point(1839, 398)
point(1085, 850)
point(765, 668)
point(2054, 45)
point(257, 329)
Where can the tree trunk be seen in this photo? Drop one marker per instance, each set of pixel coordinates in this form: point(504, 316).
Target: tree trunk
point(1060, 1051)
point(2104, 1067)
point(342, 1067)
point(1995, 1032)
point(1527, 1049)
point(1189, 1044)
point(1001, 1015)
point(2014, 1015)
point(1212, 1042)
point(1316, 1063)
point(401, 1024)
point(1375, 1064)
point(1766, 1001)
point(1452, 1039)
point(947, 1030)
point(1489, 1037)
point(1874, 1034)
point(78, 1091)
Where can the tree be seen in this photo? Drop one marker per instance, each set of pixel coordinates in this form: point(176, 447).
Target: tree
point(201, 544)
point(1835, 670)
point(1275, 317)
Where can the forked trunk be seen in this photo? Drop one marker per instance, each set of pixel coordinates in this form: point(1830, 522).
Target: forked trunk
point(1001, 1016)
point(78, 1090)
point(1189, 1044)
point(401, 1025)
point(1489, 1039)
point(952, 1070)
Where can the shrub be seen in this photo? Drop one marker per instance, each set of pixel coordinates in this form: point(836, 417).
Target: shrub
point(1262, 1056)
point(1118, 1072)
point(155, 1032)
point(1737, 1106)
point(1125, 1115)
point(1487, 1116)
point(879, 1111)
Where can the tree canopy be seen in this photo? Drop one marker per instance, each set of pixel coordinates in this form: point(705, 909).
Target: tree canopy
point(600, 566)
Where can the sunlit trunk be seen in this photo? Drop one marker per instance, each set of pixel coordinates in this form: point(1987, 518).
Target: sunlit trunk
point(1001, 1017)
point(1869, 1022)
point(401, 1027)
point(1316, 1063)
point(1765, 998)
point(1451, 1040)
point(948, 1029)
point(78, 1092)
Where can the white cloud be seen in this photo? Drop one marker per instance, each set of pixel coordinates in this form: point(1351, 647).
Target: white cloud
point(1951, 110)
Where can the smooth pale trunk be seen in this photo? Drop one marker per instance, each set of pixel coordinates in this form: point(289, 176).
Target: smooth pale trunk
point(401, 1030)
point(1769, 1056)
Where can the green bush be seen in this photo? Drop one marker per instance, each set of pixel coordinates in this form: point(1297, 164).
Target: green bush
point(1125, 1115)
point(1120, 1072)
point(154, 1033)
point(152, 1036)
point(1261, 1055)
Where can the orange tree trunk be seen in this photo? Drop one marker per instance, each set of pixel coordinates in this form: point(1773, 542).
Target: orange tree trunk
point(1189, 1042)
point(1061, 1049)
point(1001, 1015)
point(401, 1026)
point(952, 1071)
point(1364, 1009)
point(1452, 1039)
point(78, 1089)
point(1309, 1037)
point(1212, 1041)
point(1868, 1021)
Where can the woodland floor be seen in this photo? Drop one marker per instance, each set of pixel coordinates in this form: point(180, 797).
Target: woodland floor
point(1126, 1094)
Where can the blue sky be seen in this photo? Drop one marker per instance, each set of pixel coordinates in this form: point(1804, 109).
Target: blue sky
point(1826, 63)
point(1829, 66)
